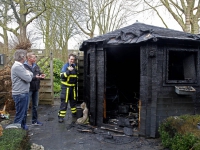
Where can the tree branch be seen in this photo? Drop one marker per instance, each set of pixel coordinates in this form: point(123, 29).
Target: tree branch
point(14, 31)
point(157, 13)
point(36, 16)
point(14, 11)
point(176, 17)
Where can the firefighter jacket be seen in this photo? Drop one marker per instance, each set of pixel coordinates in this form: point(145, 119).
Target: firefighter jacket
point(69, 78)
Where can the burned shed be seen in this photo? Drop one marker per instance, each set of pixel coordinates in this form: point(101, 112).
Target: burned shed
point(141, 72)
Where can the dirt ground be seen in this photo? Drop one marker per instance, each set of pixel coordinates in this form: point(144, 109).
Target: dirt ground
point(67, 136)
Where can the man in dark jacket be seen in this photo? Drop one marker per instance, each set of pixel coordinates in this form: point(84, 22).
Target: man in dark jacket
point(31, 65)
point(68, 88)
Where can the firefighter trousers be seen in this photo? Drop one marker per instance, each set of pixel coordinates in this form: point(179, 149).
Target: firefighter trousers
point(68, 95)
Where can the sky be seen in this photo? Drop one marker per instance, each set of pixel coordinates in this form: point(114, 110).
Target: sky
point(150, 18)
point(146, 18)
point(172, 24)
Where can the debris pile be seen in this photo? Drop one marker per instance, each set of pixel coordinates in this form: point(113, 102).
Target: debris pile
point(36, 147)
point(5, 90)
point(106, 134)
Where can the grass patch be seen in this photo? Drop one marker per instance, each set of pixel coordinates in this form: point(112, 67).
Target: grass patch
point(14, 139)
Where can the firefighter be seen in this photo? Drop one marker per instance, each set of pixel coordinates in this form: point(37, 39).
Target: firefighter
point(68, 88)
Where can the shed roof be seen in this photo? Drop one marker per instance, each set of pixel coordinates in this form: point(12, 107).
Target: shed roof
point(139, 32)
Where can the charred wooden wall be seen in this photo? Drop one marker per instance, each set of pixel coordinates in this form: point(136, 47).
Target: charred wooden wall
point(94, 82)
point(159, 99)
point(100, 69)
point(80, 77)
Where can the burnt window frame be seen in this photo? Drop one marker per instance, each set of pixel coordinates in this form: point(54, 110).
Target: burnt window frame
point(166, 67)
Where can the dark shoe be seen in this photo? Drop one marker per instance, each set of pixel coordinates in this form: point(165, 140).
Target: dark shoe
point(37, 123)
point(25, 127)
point(60, 120)
point(74, 115)
point(74, 119)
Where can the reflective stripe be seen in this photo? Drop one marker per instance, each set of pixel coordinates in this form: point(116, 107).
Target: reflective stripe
point(74, 93)
point(62, 113)
point(67, 84)
point(73, 110)
point(68, 79)
point(73, 76)
point(67, 93)
point(65, 74)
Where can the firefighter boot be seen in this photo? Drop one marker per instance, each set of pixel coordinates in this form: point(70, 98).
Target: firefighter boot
point(60, 119)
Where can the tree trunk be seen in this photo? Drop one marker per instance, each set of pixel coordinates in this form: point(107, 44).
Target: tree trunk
point(5, 38)
point(65, 52)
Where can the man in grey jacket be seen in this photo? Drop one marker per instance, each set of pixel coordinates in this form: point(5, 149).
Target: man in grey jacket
point(21, 79)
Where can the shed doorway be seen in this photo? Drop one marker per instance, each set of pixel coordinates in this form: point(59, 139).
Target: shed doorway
point(122, 86)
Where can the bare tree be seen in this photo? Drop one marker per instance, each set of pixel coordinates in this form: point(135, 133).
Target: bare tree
point(57, 27)
point(86, 14)
point(185, 12)
point(4, 20)
point(65, 27)
point(25, 11)
point(113, 16)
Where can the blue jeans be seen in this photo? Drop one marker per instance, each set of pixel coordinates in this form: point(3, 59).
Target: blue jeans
point(21, 102)
point(33, 95)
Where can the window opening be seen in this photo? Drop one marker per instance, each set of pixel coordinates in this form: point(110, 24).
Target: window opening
point(181, 66)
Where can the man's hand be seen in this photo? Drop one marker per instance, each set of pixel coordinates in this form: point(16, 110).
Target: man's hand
point(42, 76)
point(70, 68)
point(37, 76)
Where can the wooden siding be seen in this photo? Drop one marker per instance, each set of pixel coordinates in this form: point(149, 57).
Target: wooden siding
point(100, 83)
point(143, 90)
point(92, 86)
point(158, 98)
point(80, 77)
point(46, 95)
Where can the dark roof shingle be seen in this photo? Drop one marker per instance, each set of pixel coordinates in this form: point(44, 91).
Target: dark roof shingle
point(139, 32)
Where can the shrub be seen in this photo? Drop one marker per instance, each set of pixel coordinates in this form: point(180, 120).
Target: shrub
point(183, 142)
point(180, 133)
point(14, 139)
point(57, 65)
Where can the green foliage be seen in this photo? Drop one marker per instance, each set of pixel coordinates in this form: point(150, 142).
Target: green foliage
point(56, 87)
point(56, 95)
point(14, 139)
point(44, 64)
point(57, 65)
point(183, 142)
point(180, 133)
point(167, 132)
